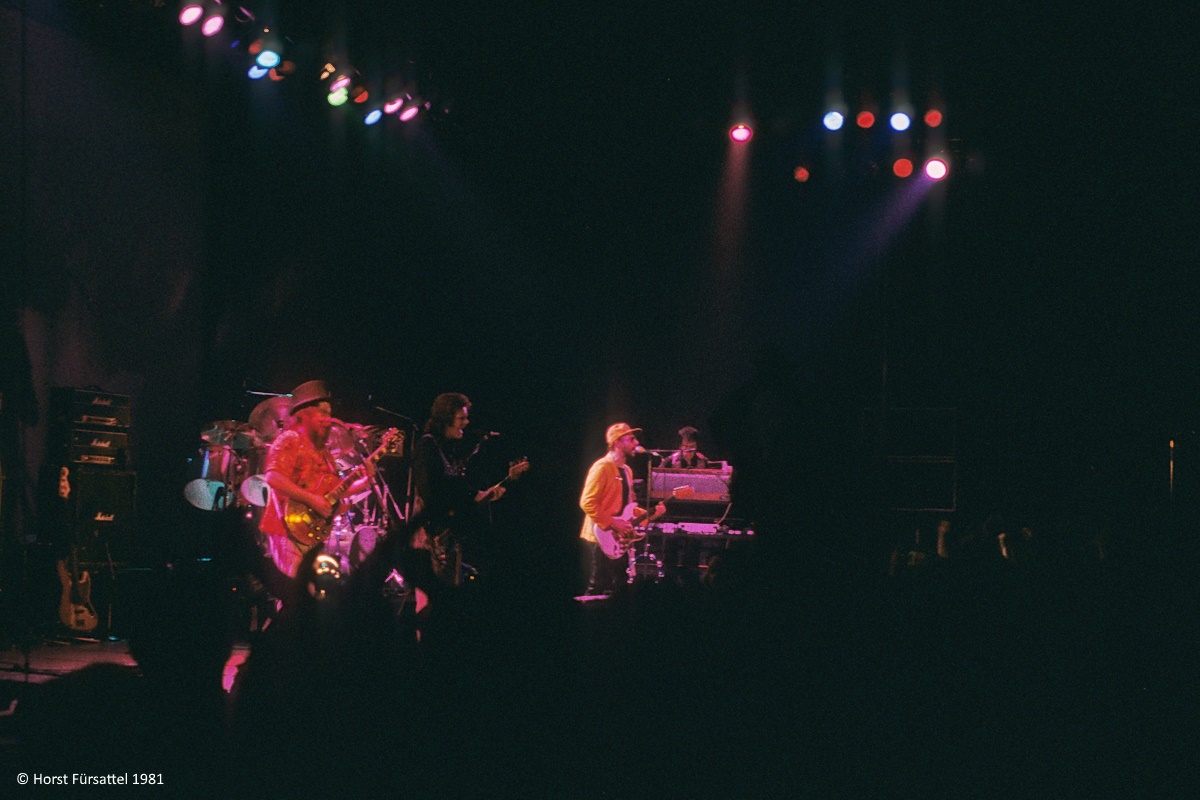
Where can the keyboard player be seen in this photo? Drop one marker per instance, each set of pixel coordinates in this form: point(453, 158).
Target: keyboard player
point(688, 456)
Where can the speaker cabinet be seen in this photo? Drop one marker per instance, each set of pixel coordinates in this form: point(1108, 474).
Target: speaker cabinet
point(103, 511)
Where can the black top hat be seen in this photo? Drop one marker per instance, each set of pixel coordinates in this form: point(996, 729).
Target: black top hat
point(307, 394)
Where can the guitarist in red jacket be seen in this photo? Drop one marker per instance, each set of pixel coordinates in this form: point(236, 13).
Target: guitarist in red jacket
point(606, 492)
point(300, 468)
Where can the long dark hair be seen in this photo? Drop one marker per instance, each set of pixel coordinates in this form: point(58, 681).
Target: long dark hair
point(445, 406)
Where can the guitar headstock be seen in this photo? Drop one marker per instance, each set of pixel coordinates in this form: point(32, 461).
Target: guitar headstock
point(518, 468)
point(64, 483)
point(392, 442)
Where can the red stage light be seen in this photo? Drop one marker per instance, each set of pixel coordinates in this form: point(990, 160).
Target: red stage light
point(801, 174)
point(902, 168)
point(933, 118)
point(865, 119)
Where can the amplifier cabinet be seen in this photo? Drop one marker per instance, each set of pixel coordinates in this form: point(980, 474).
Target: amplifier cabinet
point(103, 511)
point(84, 408)
point(100, 448)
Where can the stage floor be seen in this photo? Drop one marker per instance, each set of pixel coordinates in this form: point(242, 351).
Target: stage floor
point(51, 658)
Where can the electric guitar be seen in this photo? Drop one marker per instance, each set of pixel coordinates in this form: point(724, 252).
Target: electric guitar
point(308, 527)
point(615, 546)
point(441, 543)
point(515, 470)
point(75, 608)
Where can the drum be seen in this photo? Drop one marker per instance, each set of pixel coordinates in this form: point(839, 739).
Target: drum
point(366, 539)
point(216, 470)
point(253, 488)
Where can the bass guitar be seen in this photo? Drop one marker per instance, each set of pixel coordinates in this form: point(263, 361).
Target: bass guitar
point(75, 609)
point(446, 558)
point(615, 546)
point(308, 527)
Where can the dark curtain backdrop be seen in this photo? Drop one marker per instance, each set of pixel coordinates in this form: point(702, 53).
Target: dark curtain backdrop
point(554, 247)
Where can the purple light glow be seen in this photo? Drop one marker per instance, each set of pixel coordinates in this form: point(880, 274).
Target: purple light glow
point(190, 15)
point(212, 25)
point(409, 113)
point(741, 133)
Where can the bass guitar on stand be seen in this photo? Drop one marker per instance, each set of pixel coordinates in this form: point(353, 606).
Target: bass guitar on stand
point(75, 609)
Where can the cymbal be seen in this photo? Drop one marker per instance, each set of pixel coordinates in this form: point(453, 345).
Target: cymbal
point(271, 416)
point(226, 432)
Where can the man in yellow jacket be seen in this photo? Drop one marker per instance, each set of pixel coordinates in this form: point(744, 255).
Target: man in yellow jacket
point(607, 492)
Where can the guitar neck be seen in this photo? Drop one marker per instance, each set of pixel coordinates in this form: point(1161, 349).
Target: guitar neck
point(638, 519)
point(336, 494)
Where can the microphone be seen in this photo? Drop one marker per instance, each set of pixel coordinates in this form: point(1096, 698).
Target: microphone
point(639, 450)
point(491, 434)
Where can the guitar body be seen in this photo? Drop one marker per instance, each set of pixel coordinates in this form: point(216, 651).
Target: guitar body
point(612, 545)
point(305, 525)
point(75, 609)
point(615, 546)
point(310, 528)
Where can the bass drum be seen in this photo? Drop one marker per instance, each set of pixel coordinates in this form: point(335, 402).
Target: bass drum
point(253, 489)
point(216, 470)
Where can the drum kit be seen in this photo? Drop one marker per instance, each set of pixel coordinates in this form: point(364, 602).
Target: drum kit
point(229, 468)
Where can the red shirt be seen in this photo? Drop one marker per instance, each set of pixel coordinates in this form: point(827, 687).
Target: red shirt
point(294, 456)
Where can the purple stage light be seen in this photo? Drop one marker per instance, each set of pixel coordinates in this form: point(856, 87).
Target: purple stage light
point(190, 15)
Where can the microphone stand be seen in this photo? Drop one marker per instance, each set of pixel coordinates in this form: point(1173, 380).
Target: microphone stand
point(411, 435)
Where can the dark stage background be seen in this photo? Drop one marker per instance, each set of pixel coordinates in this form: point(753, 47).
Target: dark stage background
point(560, 246)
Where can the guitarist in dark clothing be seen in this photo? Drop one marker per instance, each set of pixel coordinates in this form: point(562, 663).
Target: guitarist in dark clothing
point(449, 504)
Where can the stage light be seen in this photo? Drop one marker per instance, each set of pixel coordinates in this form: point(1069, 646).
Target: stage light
point(410, 112)
point(392, 106)
point(267, 59)
point(741, 132)
point(902, 168)
point(801, 174)
point(900, 121)
point(214, 20)
point(340, 83)
point(373, 117)
point(865, 119)
point(936, 169)
point(933, 118)
point(338, 98)
point(255, 72)
point(191, 14)
point(833, 120)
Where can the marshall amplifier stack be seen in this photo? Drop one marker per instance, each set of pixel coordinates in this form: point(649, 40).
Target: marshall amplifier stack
point(90, 473)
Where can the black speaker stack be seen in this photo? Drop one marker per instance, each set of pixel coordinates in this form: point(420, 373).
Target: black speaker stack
point(90, 470)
